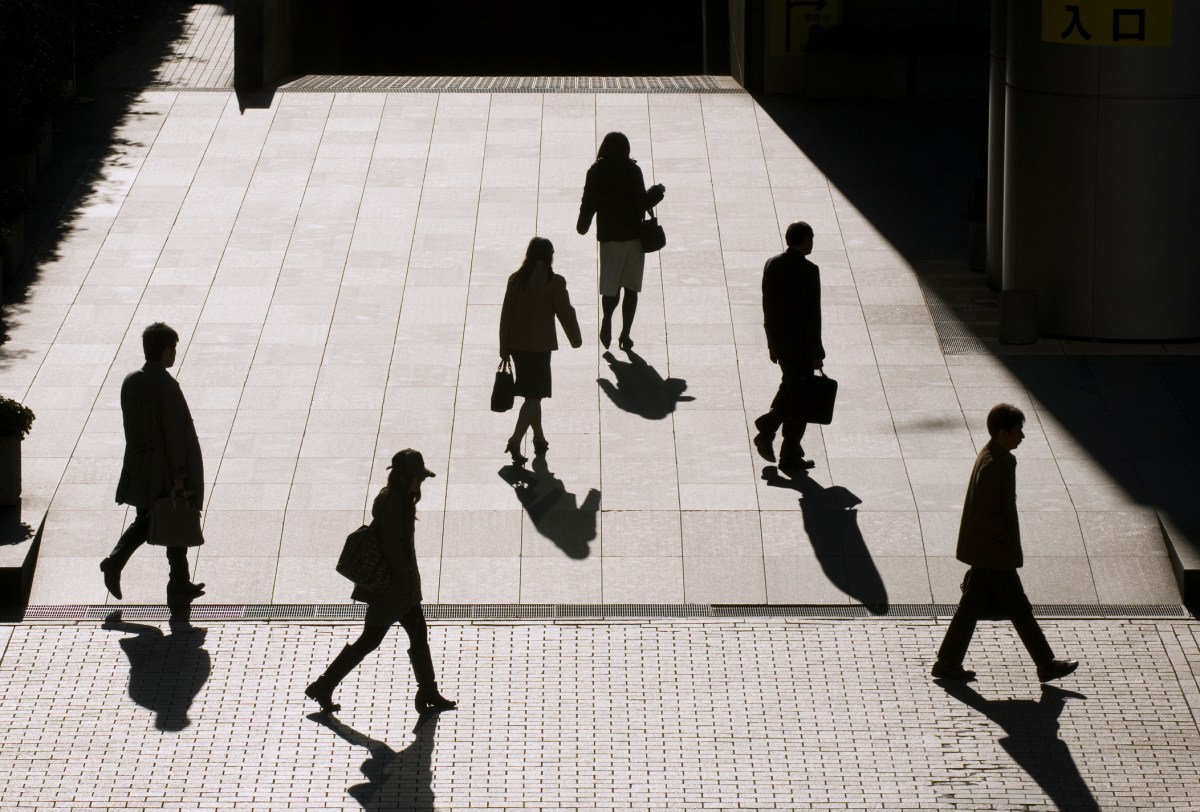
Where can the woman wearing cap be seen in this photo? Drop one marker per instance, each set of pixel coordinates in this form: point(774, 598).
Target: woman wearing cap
point(616, 195)
point(393, 515)
point(535, 296)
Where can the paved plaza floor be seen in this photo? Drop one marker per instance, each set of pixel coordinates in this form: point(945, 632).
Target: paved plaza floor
point(335, 262)
point(666, 715)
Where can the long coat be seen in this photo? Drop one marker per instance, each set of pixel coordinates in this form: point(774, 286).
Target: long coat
point(160, 439)
point(615, 194)
point(989, 536)
point(527, 316)
point(393, 518)
point(791, 288)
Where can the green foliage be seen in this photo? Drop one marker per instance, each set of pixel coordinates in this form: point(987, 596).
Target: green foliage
point(43, 45)
point(12, 203)
point(15, 419)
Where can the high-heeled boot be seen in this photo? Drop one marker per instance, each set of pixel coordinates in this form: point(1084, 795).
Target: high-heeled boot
point(428, 698)
point(322, 687)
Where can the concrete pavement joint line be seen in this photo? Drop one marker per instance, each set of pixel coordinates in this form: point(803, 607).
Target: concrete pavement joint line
point(549, 611)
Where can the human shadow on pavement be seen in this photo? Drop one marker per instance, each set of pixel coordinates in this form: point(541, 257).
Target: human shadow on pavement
point(395, 780)
point(831, 522)
point(1033, 741)
point(640, 389)
point(166, 672)
point(556, 512)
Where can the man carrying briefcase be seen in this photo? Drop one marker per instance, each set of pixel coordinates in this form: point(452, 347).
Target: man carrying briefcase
point(162, 458)
point(792, 318)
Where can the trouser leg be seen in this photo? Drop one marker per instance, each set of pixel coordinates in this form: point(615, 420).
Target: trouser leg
point(134, 536)
point(962, 625)
point(1009, 589)
point(770, 422)
point(794, 379)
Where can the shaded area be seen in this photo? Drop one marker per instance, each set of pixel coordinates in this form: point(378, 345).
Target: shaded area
point(556, 512)
point(166, 672)
point(395, 780)
point(87, 154)
point(831, 524)
point(640, 388)
point(479, 37)
point(1032, 741)
point(908, 168)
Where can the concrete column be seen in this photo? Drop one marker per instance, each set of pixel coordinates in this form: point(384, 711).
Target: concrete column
point(995, 166)
point(1102, 176)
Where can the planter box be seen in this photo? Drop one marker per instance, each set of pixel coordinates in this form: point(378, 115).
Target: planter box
point(10, 470)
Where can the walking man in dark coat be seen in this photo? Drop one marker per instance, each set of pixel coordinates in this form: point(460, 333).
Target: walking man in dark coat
point(989, 540)
point(792, 317)
point(162, 457)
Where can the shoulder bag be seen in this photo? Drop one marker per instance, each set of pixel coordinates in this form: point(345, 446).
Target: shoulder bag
point(652, 236)
point(362, 560)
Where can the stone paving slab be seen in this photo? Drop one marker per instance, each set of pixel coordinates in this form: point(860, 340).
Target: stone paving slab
point(678, 715)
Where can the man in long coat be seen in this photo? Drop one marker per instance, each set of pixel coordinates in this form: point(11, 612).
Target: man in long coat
point(989, 540)
point(791, 289)
point(162, 457)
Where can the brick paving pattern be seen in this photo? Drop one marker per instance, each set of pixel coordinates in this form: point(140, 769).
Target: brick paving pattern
point(679, 715)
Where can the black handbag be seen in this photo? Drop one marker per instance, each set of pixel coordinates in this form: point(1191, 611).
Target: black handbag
point(174, 522)
point(503, 388)
point(362, 560)
point(652, 236)
point(818, 394)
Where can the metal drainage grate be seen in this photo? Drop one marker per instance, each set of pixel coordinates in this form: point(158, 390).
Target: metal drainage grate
point(512, 84)
point(561, 611)
point(965, 312)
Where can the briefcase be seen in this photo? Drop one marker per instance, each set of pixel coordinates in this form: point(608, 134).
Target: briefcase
point(818, 394)
point(174, 522)
point(362, 560)
point(503, 388)
point(992, 609)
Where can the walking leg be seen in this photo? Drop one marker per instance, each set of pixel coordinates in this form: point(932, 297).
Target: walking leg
point(427, 698)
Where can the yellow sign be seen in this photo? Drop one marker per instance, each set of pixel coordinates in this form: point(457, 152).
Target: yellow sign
point(1138, 23)
point(793, 23)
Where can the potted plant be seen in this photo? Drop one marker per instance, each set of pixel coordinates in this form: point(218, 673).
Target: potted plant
point(15, 422)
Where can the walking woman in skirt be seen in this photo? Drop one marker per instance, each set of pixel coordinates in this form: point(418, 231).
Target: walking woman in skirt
point(394, 514)
point(534, 298)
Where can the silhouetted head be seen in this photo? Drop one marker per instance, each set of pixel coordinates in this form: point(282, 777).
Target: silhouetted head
point(614, 145)
point(408, 471)
point(798, 235)
point(539, 250)
point(1005, 423)
point(158, 343)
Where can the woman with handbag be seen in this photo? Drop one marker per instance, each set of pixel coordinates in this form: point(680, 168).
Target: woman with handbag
point(393, 521)
point(535, 296)
point(616, 195)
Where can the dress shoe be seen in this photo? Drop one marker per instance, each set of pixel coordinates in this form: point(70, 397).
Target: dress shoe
point(1055, 669)
point(795, 464)
point(762, 444)
point(943, 670)
point(112, 577)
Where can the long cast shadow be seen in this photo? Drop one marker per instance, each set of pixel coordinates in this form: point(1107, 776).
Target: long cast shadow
point(556, 512)
point(166, 672)
point(395, 780)
point(831, 522)
point(1033, 741)
point(908, 168)
point(640, 389)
